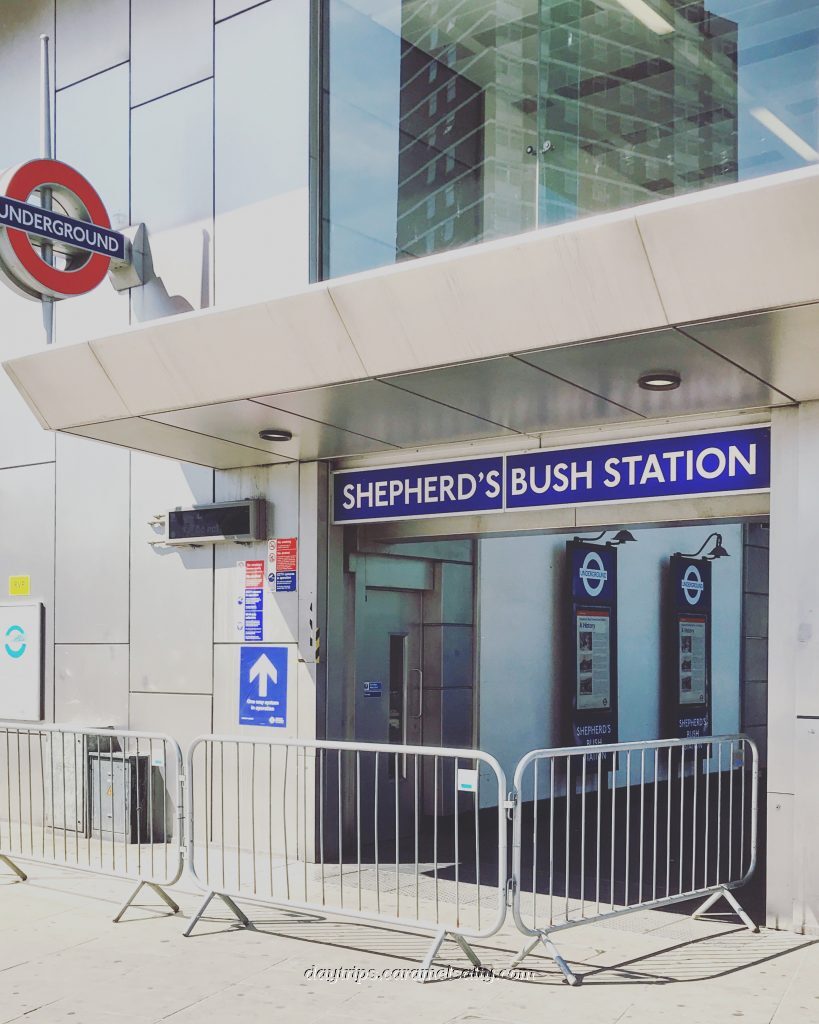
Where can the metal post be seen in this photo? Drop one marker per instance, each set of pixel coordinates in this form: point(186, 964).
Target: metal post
point(47, 153)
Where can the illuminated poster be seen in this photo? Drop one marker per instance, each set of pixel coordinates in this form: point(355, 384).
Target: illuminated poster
point(692, 659)
point(593, 659)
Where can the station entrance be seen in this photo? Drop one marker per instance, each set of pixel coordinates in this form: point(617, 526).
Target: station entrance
point(512, 642)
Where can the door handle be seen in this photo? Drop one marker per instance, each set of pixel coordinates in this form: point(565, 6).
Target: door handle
point(420, 692)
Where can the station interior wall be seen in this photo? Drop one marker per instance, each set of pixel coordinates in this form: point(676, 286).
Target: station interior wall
point(522, 603)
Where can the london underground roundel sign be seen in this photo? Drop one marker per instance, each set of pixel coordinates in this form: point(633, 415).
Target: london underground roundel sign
point(76, 228)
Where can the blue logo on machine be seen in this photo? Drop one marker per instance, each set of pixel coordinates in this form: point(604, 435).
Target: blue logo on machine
point(263, 686)
point(593, 574)
point(692, 585)
point(15, 642)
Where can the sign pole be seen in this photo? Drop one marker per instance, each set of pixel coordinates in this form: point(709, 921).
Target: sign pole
point(47, 153)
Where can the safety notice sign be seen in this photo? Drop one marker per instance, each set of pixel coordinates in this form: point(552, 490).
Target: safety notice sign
point(254, 600)
point(282, 563)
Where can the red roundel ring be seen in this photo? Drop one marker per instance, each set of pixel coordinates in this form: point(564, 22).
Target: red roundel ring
point(34, 175)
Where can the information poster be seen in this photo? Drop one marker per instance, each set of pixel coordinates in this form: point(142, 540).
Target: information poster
point(692, 659)
point(282, 563)
point(591, 644)
point(687, 648)
point(593, 636)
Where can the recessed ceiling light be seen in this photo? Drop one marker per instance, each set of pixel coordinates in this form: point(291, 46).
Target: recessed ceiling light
point(660, 380)
point(275, 435)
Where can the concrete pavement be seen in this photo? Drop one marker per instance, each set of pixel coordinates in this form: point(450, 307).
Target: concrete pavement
point(62, 961)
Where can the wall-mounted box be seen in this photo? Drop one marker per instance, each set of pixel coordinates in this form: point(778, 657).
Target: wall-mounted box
point(236, 521)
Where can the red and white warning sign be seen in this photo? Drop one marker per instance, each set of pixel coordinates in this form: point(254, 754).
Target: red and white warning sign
point(282, 563)
point(254, 574)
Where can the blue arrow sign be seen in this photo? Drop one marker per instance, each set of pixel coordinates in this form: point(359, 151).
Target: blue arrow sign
point(263, 686)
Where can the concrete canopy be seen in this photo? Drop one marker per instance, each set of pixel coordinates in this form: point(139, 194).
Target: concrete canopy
point(543, 331)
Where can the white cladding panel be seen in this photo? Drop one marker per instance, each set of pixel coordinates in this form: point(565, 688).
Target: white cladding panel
point(227, 8)
point(91, 684)
point(87, 112)
point(21, 24)
point(262, 116)
point(22, 439)
point(172, 192)
point(21, 665)
point(171, 588)
point(171, 46)
point(27, 546)
point(92, 35)
point(182, 716)
point(92, 542)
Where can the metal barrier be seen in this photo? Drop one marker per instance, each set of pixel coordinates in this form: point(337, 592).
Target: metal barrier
point(405, 835)
point(99, 800)
point(414, 836)
point(609, 830)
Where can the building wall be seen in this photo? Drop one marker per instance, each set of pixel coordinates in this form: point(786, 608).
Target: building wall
point(793, 698)
point(194, 120)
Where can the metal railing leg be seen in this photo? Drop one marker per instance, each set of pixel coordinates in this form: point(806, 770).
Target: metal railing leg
point(436, 944)
point(471, 955)
point(151, 885)
point(242, 918)
point(551, 949)
point(10, 864)
point(729, 897)
point(525, 951)
point(749, 924)
point(702, 910)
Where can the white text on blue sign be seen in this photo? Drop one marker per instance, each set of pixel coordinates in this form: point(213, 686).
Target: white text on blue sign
point(668, 467)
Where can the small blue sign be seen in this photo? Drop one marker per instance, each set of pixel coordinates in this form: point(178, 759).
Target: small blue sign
point(372, 689)
point(263, 686)
point(254, 614)
point(285, 581)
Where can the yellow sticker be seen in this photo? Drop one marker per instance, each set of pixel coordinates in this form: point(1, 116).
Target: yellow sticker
point(19, 586)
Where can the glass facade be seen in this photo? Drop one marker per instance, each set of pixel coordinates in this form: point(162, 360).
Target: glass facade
point(450, 122)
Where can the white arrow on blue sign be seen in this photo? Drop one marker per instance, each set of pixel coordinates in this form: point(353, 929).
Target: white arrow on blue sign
point(263, 680)
point(264, 670)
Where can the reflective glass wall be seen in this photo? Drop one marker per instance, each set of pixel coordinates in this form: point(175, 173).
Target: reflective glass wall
point(450, 122)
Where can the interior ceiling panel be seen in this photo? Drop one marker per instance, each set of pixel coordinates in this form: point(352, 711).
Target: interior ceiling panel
point(779, 346)
point(394, 416)
point(611, 368)
point(240, 423)
point(514, 393)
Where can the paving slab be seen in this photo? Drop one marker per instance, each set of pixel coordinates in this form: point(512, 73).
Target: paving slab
point(63, 961)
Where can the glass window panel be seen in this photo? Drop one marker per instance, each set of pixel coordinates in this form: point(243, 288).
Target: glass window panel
point(473, 119)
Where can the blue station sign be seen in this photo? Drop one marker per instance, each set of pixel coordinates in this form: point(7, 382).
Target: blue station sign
point(718, 462)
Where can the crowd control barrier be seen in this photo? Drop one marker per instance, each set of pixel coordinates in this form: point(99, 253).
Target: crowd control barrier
point(609, 830)
point(99, 800)
point(407, 835)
